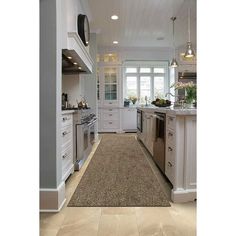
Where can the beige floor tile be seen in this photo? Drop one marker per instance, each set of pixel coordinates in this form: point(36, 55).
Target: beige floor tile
point(118, 211)
point(127, 226)
point(48, 232)
point(51, 221)
point(108, 225)
point(82, 221)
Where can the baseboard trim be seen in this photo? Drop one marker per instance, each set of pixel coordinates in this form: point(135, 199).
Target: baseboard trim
point(52, 200)
point(180, 196)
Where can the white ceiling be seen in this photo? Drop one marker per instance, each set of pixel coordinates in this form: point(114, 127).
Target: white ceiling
point(141, 22)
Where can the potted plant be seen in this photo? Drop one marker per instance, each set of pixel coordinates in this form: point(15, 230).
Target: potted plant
point(190, 92)
point(133, 99)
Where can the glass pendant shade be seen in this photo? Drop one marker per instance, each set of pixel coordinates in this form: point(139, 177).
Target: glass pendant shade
point(174, 63)
point(189, 51)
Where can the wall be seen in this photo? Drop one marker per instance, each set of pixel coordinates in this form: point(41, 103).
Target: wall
point(73, 85)
point(50, 88)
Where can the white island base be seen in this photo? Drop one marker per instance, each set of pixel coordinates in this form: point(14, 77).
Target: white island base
point(180, 150)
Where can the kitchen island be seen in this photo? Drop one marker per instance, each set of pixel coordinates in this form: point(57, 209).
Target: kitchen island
point(177, 147)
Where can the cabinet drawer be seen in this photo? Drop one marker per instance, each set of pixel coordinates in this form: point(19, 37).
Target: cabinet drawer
point(170, 163)
point(111, 116)
point(108, 124)
point(170, 136)
point(170, 122)
point(66, 120)
point(110, 103)
point(66, 134)
point(110, 111)
point(67, 160)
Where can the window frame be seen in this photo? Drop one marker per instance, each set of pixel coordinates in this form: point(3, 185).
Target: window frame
point(146, 64)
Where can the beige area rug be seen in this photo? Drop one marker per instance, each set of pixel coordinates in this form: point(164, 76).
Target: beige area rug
point(118, 175)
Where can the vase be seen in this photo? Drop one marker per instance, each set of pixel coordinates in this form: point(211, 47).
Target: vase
point(189, 105)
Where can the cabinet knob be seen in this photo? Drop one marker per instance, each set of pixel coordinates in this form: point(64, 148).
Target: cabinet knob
point(110, 114)
point(110, 123)
point(169, 164)
point(64, 156)
point(64, 133)
point(170, 149)
point(64, 118)
point(110, 109)
point(170, 134)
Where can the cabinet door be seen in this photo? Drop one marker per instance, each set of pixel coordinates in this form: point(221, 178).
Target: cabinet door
point(129, 119)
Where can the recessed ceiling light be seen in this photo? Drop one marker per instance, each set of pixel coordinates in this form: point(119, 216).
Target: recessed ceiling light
point(75, 63)
point(115, 42)
point(110, 54)
point(69, 57)
point(114, 17)
point(79, 67)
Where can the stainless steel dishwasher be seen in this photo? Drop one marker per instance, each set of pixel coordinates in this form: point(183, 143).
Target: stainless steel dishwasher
point(159, 143)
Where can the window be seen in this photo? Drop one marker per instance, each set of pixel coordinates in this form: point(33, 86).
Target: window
point(146, 79)
point(131, 86)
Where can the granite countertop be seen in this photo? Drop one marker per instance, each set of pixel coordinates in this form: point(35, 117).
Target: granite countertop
point(67, 111)
point(169, 110)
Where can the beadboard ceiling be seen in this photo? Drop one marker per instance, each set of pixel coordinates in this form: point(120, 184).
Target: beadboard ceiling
point(141, 22)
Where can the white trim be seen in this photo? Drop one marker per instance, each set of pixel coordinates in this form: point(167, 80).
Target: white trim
point(52, 199)
point(51, 210)
point(181, 195)
point(74, 42)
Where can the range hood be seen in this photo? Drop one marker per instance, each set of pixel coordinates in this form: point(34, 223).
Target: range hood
point(76, 58)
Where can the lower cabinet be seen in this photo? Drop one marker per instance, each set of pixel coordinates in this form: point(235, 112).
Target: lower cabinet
point(67, 146)
point(180, 164)
point(109, 120)
point(129, 119)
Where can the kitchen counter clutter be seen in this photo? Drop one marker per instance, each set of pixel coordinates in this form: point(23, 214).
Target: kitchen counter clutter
point(172, 144)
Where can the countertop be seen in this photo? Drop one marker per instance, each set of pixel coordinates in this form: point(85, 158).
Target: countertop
point(67, 112)
point(169, 110)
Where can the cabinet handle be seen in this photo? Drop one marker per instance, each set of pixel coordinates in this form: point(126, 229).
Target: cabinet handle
point(64, 118)
point(169, 164)
point(64, 133)
point(110, 114)
point(110, 102)
point(65, 155)
point(170, 118)
point(110, 123)
point(110, 109)
point(170, 134)
point(170, 149)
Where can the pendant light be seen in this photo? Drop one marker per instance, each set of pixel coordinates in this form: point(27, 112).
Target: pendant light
point(173, 61)
point(189, 49)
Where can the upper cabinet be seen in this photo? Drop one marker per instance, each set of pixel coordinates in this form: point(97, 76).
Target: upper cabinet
point(108, 80)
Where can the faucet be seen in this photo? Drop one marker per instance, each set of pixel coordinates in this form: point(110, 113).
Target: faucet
point(170, 94)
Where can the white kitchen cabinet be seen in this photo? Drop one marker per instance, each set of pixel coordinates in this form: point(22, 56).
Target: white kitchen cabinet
point(109, 119)
point(180, 164)
point(108, 85)
point(129, 119)
point(67, 145)
point(148, 132)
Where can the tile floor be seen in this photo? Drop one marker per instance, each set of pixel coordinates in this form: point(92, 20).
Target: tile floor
point(177, 220)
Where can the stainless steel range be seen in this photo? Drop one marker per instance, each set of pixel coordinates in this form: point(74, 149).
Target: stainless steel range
point(84, 135)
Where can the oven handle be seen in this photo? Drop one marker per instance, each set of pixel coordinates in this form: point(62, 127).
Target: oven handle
point(92, 122)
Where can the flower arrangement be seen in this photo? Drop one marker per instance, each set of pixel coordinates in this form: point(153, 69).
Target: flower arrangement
point(190, 90)
point(133, 99)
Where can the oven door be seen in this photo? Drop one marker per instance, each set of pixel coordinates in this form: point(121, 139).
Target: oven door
point(82, 141)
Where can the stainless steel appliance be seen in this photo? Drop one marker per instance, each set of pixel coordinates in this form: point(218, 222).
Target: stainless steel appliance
point(159, 143)
point(139, 121)
point(83, 122)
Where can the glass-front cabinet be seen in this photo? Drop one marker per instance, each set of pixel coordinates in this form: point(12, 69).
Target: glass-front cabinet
point(108, 80)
